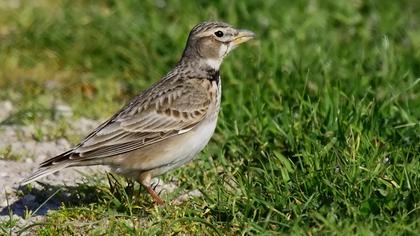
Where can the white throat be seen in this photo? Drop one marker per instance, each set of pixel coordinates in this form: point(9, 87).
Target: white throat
point(214, 63)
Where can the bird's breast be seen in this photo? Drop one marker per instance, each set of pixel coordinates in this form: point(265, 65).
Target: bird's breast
point(215, 93)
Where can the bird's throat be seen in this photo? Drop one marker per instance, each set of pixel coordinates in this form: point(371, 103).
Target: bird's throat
point(213, 63)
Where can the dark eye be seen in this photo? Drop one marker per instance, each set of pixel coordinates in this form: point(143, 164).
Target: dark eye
point(219, 33)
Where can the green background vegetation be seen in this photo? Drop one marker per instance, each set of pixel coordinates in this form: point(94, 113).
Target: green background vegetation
point(319, 131)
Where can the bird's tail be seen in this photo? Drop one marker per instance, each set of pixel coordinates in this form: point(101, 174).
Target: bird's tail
point(50, 166)
point(44, 171)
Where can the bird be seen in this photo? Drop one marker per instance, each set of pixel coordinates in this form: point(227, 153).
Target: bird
point(166, 125)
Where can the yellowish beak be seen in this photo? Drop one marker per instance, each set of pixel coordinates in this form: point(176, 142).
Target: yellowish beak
point(242, 37)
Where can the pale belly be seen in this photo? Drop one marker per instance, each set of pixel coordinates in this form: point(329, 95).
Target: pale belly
point(169, 154)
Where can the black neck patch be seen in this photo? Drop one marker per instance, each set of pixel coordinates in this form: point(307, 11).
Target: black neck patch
point(213, 75)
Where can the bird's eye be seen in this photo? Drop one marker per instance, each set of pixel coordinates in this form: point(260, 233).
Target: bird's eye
point(219, 34)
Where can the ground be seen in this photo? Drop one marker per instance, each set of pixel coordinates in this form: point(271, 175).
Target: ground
point(319, 132)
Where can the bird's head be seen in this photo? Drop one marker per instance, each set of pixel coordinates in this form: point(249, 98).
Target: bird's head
point(210, 42)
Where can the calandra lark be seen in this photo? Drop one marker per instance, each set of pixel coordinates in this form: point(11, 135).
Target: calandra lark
point(166, 125)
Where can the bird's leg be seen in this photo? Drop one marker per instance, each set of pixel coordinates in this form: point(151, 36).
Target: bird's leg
point(144, 179)
point(154, 195)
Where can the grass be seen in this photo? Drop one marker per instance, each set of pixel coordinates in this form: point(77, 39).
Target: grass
point(319, 132)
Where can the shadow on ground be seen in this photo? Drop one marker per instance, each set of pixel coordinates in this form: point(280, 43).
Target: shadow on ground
point(38, 201)
point(39, 198)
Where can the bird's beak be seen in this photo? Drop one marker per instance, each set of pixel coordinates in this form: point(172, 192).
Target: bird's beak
point(242, 37)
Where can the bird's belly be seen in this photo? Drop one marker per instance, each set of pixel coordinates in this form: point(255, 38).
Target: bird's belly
point(166, 155)
point(193, 142)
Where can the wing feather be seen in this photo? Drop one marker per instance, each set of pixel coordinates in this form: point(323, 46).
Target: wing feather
point(141, 124)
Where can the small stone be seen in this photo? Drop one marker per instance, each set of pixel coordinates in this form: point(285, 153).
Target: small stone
point(186, 196)
point(62, 110)
point(63, 143)
point(6, 109)
point(29, 161)
point(195, 193)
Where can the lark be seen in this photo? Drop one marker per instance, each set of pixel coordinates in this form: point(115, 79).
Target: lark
point(165, 126)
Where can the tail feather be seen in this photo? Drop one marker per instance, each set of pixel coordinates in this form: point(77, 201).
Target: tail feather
point(44, 171)
point(50, 166)
point(60, 158)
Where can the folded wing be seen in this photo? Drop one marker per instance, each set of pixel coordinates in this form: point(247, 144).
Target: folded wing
point(148, 119)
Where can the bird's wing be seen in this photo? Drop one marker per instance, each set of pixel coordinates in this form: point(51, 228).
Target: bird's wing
point(149, 118)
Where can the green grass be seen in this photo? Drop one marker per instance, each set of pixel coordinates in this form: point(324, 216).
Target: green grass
point(319, 131)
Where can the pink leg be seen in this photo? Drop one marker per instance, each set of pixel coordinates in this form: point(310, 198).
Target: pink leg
point(154, 195)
